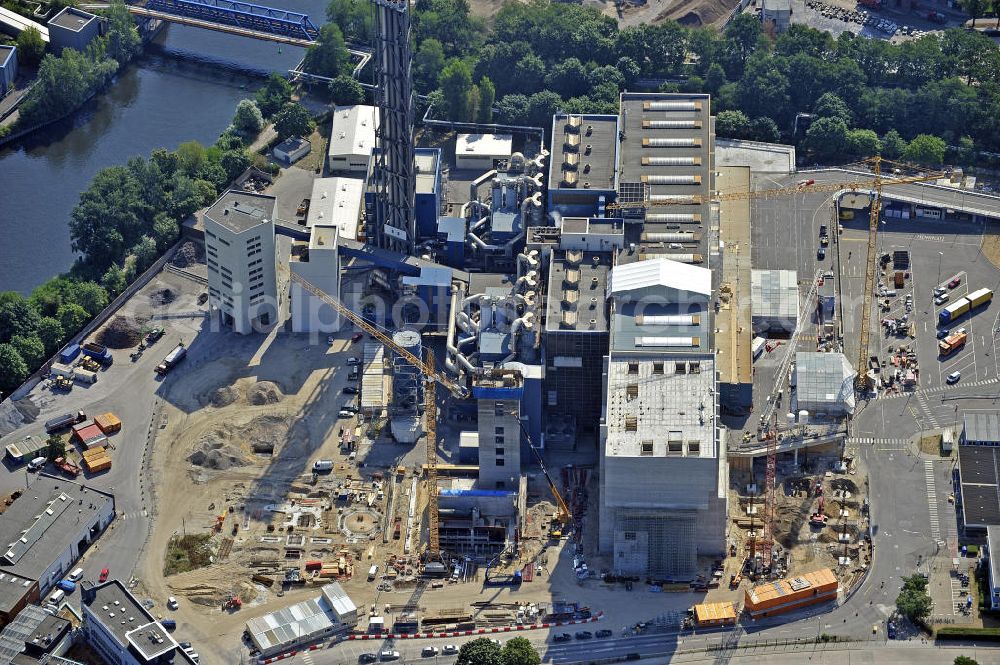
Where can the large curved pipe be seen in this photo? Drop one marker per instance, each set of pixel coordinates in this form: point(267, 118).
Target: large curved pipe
point(477, 183)
point(480, 224)
point(477, 242)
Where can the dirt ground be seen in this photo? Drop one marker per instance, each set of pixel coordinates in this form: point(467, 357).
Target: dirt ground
point(991, 242)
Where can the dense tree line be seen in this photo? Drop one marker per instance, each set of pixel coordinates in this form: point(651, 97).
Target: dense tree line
point(865, 94)
point(66, 81)
point(125, 219)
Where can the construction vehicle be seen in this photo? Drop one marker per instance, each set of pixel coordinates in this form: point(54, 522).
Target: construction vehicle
point(67, 467)
point(232, 604)
point(952, 343)
point(98, 352)
point(173, 358)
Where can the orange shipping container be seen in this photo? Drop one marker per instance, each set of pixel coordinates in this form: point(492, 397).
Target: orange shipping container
point(108, 422)
point(790, 594)
point(715, 614)
point(97, 451)
point(95, 464)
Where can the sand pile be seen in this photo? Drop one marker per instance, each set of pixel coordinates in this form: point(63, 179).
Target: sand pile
point(265, 434)
point(188, 254)
point(264, 392)
point(224, 396)
point(162, 297)
point(694, 13)
point(212, 453)
point(121, 333)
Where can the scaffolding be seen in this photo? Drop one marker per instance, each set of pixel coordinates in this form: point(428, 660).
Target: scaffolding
point(656, 543)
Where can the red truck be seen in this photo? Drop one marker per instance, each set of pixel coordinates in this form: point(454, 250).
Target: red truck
point(67, 467)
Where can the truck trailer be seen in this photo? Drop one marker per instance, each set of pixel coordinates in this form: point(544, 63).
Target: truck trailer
point(952, 343)
point(968, 303)
point(172, 359)
point(64, 421)
point(98, 352)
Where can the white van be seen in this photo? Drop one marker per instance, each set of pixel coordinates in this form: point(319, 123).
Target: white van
point(75, 575)
point(323, 465)
point(37, 463)
point(372, 573)
point(57, 596)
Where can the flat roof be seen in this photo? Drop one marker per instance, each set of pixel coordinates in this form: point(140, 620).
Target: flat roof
point(352, 131)
point(979, 468)
point(572, 166)
point(483, 145)
point(661, 327)
point(337, 201)
point(297, 622)
point(653, 410)
point(126, 619)
point(12, 589)
point(824, 379)
point(428, 163)
point(775, 293)
point(72, 18)
point(667, 152)
point(323, 237)
point(715, 612)
point(733, 321)
point(44, 522)
point(292, 143)
point(577, 293)
point(789, 586)
point(993, 542)
point(239, 211)
point(31, 625)
point(981, 427)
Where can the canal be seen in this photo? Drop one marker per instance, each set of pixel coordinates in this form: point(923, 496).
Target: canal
point(185, 87)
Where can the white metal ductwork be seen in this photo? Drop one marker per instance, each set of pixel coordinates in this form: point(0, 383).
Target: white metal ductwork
point(663, 142)
point(672, 217)
point(671, 161)
point(671, 179)
point(671, 124)
point(671, 106)
point(667, 236)
point(668, 319)
point(686, 342)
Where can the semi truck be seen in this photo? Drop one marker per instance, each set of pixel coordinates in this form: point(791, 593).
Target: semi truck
point(952, 343)
point(64, 421)
point(172, 359)
point(967, 303)
point(98, 352)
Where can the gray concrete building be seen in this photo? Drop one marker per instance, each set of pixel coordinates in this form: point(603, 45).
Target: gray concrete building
point(73, 28)
point(499, 439)
point(239, 249)
point(776, 15)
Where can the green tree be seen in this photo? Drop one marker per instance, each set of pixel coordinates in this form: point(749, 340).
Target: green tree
point(17, 316)
point(530, 72)
point(830, 105)
point(123, 40)
point(353, 17)
point(248, 120)
point(974, 8)
point(715, 78)
point(541, 107)
point(164, 231)
point(568, 78)
point(743, 38)
point(114, 279)
point(30, 47)
point(55, 446)
point(764, 129)
point(145, 253)
point(91, 296)
point(513, 109)
point(275, 94)
point(293, 120)
point(72, 317)
point(629, 69)
point(13, 369)
point(428, 62)
point(451, 23)
point(827, 138)
point(965, 660)
point(191, 156)
point(519, 651)
point(456, 84)
point(925, 149)
point(345, 91)
point(480, 651)
point(863, 143)
point(31, 348)
point(913, 601)
point(328, 56)
point(234, 162)
point(50, 331)
point(487, 98)
point(732, 125)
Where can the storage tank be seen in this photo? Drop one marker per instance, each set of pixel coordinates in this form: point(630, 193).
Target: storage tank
point(803, 417)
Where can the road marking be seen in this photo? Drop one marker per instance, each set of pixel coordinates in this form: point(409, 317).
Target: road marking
point(932, 507)
point(883, 444)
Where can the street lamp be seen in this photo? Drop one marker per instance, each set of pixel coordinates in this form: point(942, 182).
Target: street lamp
point(940, 256)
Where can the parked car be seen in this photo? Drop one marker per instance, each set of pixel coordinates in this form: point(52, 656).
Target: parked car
point(368, 658)
point(939, 291)
point(172, 603)
point(356, 337)
point(954, 377)
point(821, 253)
point(601, 634)
point(354, 361)
point(584, 634)
point(427, 652)
point(562, 637)
point(104, 575)
point(350, 390)
point(449, 649)
point(944, 332)
point(941, 299)
point(388, 655)
point(954, 283)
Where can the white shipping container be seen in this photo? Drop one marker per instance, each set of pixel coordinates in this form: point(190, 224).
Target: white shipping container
point(59, 369)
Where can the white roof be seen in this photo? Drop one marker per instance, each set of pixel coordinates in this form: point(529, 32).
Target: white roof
point(353, 130)
point(483, 145)
point(660, 273)
point(337, 201)
point(339, 600)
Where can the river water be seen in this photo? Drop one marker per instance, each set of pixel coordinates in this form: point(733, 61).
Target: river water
point(186, 87)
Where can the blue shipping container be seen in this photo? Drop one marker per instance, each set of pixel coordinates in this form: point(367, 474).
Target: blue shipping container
point(69, 354)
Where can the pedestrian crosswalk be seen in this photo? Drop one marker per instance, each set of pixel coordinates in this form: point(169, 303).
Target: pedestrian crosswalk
point(882, 443)
point(942, 388)
point(932, 505)
point(307, 657)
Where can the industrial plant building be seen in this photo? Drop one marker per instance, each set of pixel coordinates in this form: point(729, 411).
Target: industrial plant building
point(73, 28)
point(352, 138)
point(239, 248)
point(775, 301)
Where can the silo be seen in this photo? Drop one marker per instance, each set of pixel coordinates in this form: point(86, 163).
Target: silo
point(407, 388)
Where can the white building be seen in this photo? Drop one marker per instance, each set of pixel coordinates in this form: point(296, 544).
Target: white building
point(239, 248)
point(774, 296)
point(993, 551)
point(337, 202)
point(122, 631)
point(330, 613)
point(664, 475)
point(480, 151)
point(824, 383)
point(319, 264)
point(352, 138)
